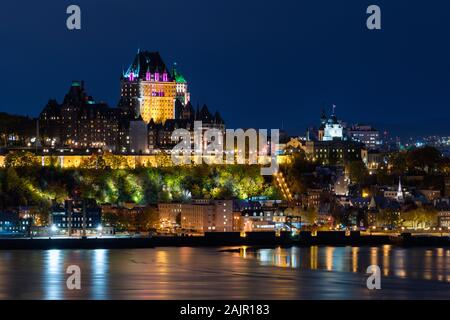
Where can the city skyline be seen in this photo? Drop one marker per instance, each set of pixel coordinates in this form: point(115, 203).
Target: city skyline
point(340, 63)
point(204, 155)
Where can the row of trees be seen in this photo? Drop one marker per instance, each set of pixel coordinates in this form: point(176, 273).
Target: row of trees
point(415, 218)
point(426, 160)
point(40, 185)
point(20, 159)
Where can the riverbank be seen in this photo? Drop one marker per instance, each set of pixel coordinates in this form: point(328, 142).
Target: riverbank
point(304, 238)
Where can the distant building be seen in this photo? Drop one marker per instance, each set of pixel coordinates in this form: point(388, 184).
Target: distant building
point(76, 215)
point(332, 147)
point(256, 216)
point(294, 145)
point(431, 195)
point(447, 187)
point(199, 216)
point(444, 219)
point(169, 215)
point(341, 183)
point(443, 207)
point(365, 134)
point(313, 198)
point(397, 194)
point(138, 136)
point(129, 211)
point(11, 223)
point(334, 152)
point(373, 161)
point(331, 128)
point(79, 122)
point(160, 134)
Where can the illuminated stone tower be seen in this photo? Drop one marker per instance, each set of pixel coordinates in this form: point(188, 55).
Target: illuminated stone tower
point(182, 86)
point(148, 89)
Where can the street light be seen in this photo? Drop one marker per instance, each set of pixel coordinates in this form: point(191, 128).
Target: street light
point(99, 229)
point(53, 229)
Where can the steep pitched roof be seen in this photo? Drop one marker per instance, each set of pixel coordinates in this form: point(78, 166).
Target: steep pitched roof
point(146, 61)
point(217, 118)
point(204, 114)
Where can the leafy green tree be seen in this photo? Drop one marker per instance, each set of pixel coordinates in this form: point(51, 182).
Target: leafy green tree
point(113, 161)
point(21, 158)
point(357, 172)
point(309, 215)
point(296, 171)
point(426, 159)
point(398, 164)
point(420, 217)
point(94, 162)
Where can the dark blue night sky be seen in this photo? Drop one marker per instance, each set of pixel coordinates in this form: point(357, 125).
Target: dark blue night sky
point(262, 64)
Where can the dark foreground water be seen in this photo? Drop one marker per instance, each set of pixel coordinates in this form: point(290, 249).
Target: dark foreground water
point(210, 273)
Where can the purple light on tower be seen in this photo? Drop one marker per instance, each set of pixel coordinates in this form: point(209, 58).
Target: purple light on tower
point(131, 77)
point(165, 77)
point(156, 76)
point(148, 76)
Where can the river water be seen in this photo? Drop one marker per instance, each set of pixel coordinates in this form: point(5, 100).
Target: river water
point(317, 272)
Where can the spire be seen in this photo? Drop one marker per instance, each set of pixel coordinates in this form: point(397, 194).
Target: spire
point(400, 190)
point(373, 204)
point(333, 116)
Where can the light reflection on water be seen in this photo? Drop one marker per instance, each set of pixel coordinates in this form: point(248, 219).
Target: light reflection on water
point(416, 263)
point(317, 272)
point(54, 274)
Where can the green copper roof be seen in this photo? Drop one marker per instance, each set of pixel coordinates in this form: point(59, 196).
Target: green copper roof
point(178, 77)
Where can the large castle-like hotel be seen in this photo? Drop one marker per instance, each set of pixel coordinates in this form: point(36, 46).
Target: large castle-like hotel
point(153, 102)
point(148, 89)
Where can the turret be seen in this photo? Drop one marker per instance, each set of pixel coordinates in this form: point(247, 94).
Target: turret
point(323, 118)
